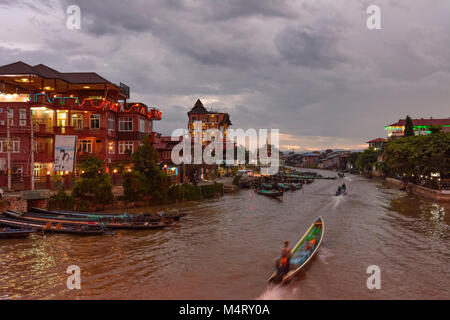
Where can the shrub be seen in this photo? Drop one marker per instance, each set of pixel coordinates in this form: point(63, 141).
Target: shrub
point(61, 201)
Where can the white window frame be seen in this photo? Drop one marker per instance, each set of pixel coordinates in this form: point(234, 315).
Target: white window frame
point(142, 125)
point(123, 121)
point(22, 117)
point(125, 145)
point(77, 121)
point(94, 117)
point(10, 116)
point(111, 122)
point(14, 145)
point(87, 142)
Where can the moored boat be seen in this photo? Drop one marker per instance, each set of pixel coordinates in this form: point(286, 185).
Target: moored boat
point(109, 224)
point(302, 253)
point(55, 227)
point(109, 216)
point(15, 232)
point(269, 193)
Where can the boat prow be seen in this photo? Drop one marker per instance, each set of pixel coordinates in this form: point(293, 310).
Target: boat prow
point(302, 253)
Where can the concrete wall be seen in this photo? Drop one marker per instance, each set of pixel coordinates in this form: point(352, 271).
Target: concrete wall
point(438, 195)
point(443, 195)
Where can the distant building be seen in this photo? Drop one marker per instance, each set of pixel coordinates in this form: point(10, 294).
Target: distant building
point(421, 126)
point(376, 143)
point(209, 120)
point(310, 160)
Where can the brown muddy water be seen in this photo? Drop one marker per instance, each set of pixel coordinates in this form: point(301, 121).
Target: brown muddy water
point(225, 249)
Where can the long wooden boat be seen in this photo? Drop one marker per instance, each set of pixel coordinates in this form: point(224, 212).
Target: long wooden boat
point(302, 253)
point(15, 232)
point(112, 224)
point(53, 227)
point(282, 186)
point(296, 186)
point(270, 193)
point(109, 216)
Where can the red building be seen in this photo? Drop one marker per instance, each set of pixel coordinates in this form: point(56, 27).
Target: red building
point(420, 126)
point(37, 103)
point(377, 143)
point(209, 120)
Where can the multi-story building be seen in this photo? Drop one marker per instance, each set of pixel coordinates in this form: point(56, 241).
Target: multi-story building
point(421, 126)
point(38, 103)
point(209, 120)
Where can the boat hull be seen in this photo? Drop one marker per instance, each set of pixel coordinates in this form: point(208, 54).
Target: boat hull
point(297, 269)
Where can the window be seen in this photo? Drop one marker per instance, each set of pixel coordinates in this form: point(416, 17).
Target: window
point(84, 146)
point(111, 122)
point(142, 125)
point(77, 121)
point(14, 145)
point(125, 124)
point(11, 116)
point(22, 117)
point(125, 145)
point(95, 121)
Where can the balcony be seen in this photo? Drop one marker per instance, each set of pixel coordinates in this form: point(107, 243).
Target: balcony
point(155, 114)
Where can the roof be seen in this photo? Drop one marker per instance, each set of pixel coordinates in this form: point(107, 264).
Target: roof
point(377, 140)
point(21, 68)
point(83, 77)
point(198, 108)
point(18, 67)
point(46, 72)
point(423, 122)
point(309, 154)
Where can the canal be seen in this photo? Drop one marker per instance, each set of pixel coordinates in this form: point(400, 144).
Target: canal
point(226, 248)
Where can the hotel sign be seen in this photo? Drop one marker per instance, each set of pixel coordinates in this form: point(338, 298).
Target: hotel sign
point(65, 153)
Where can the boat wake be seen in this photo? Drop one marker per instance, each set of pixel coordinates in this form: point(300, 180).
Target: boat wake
point(278, 293)
point(337, 200)
point(324, 254)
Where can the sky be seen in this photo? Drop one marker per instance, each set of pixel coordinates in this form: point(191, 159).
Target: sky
point(310, 68)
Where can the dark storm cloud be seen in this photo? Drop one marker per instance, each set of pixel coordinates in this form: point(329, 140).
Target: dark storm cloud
point(310, 68)
point(309, 48)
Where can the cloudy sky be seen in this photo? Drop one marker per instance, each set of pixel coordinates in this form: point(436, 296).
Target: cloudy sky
point(308, 67)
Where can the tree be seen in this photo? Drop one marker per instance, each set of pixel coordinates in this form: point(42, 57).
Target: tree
point(419, 155)
point(134, 186)
point(366, 159)
point(145, 161)
point(94, 186)
point(409, 128)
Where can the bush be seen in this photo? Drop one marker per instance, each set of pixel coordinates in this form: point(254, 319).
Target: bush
point(94, 185)
point(134, 186)
point(61, 201)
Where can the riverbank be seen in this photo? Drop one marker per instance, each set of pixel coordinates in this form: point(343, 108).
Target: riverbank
point(437, 195)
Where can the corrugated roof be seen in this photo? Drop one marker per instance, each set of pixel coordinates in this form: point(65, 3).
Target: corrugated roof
point(423, 122)
point(377, 140)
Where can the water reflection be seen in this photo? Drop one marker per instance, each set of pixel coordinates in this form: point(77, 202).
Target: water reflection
point(225, 249)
